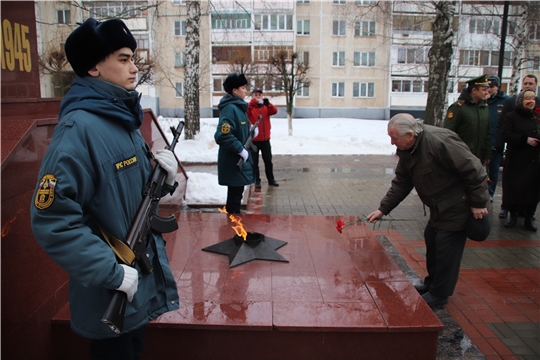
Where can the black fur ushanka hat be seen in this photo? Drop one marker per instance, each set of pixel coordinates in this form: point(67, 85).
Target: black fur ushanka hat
point(93, 41)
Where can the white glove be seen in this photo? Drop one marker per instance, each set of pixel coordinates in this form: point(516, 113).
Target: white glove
point(167, 161)
point(244, 154)
point(256, 132)
point(130, 282)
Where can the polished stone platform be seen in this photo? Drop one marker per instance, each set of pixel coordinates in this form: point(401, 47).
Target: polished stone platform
point(340, 297)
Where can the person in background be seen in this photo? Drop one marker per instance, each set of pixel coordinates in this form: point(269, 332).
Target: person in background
point(529, 82)
point(451, 181)
point(495, 102)
point(521, 175)
point(469, 118)
point(91, 182)
point(259, 106)
point(231, 134)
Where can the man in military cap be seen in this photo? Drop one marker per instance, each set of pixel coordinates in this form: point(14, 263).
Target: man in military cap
point(469, 118)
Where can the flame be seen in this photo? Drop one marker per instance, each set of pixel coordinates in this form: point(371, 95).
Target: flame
point(239, 228)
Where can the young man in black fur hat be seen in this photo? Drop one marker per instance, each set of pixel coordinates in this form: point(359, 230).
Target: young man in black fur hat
point(91, 183)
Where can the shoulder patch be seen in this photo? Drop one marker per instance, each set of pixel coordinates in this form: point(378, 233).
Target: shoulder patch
point(450, 115)
point(225, 128)
point(45, 192)
point(460, 102)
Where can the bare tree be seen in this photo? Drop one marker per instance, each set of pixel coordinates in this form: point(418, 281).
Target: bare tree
point(54, 62)
point(440, 60)
point(293, 74)
point(191, 93)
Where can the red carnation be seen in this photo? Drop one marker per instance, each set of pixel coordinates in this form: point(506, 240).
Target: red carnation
point(340, 226)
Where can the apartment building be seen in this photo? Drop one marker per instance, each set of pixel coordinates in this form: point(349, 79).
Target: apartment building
point(368, 59)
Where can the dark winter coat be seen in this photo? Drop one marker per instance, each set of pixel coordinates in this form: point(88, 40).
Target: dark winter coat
point(231, 134)
point(448, 178)
point(470, 120)
point(521, 180)
point(509, 106)
point(254, 109)
point(93, 174)
point(495, 104)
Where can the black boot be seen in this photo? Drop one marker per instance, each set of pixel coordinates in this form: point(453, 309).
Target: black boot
point(529, 224)
point(512, 221)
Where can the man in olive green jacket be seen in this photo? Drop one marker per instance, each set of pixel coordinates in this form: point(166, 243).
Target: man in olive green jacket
point(449, 180)
point(469, 118)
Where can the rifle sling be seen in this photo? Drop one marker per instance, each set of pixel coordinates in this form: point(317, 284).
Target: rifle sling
point(122, 251)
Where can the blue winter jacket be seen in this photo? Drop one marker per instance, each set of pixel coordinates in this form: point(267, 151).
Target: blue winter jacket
point(231, 134)
point(92, 176)
point(495, 104)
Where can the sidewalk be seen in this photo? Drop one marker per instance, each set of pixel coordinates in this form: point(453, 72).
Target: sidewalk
point(497, 299)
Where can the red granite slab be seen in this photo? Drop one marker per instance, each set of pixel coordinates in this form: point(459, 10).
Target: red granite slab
point(340, 295)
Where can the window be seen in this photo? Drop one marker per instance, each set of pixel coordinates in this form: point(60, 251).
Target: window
point(179, 2)
point(180, 28)
point(363, 89)
point(302, 1)
point(303, 90)
point(365, 2)
point(274, 22)
point(338, 58)
point(412, 55)
point(143, 41)
point(218, 84)
point(412, 23)
point(364, 28)
point(417, 86)
point(339, 2)
point(104, 9)
point(302, 27)
point(63, 16)
point(179, 90)
point(338, 27)
point(364, 58)
point(534, 32)
point(483, 58)
point(231, 21)
point(179, 59)
point(484, 26)
point(303, 57)
point(338, 89)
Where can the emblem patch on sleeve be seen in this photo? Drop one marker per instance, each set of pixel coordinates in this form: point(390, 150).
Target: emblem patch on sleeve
point(225, 128)
point(450, 114)
point(45, 192)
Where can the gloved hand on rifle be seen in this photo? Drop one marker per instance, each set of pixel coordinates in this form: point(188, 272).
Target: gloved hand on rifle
point(244, 154)
point(130, 282)
point(167, 161)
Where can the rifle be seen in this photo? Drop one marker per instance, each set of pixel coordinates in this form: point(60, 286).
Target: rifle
point(145, 221)
point(248, 145)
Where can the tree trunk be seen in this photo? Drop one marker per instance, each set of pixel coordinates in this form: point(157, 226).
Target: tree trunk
point(519, 40)
point(191, 71)
point(440, 59)
point(289, 123)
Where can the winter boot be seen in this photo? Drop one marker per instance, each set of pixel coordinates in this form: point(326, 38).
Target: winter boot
point(510, 223)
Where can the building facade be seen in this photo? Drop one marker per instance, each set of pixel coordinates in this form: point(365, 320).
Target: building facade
point(367, 59)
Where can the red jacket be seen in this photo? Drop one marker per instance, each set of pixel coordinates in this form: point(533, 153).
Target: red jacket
point(253, 112)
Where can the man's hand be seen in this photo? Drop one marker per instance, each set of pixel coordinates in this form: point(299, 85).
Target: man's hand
point(479, 213)
point(374, 216)
point(266, 102)
point(131, 281)
point(167, 161)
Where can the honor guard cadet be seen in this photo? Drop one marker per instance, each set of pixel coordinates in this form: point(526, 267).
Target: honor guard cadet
point(469, 118)
point(91, 184)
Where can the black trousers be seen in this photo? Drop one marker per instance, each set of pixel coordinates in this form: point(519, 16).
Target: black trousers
point(234, 199)
point(127, 346)
point(266, 151)
point(443, 259)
